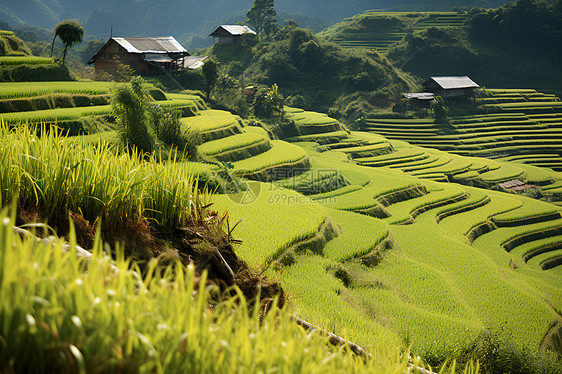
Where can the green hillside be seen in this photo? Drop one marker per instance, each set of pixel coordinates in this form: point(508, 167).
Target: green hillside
point(510, 47)
point(18, 65)
point(191, 18)
point(378, 30)
point(308, 70)
point(428, 243)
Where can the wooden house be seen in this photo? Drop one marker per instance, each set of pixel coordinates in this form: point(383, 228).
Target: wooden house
point(450, 87)
point(146, 56)
point(230, 34)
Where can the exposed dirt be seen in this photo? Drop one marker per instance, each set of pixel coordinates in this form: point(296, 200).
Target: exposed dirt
point(205, 241)
point(552, 341)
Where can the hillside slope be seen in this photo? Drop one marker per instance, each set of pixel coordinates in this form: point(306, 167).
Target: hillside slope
point(187, 17)
point(312, 71)
point(434, 263)
point(509, 47)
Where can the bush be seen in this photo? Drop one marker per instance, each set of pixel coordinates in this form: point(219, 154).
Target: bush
point(130, 107)
point(168, 130)
point(440, 111)
point(146, 126)
point(34, 73)
point(188, 79)
point(268, 103)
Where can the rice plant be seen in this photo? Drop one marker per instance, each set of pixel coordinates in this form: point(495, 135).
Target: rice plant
point(281, 153)
point(9, 90)
point(30, 60)
point(230, 143)
point(57, 175)
point(60, 313)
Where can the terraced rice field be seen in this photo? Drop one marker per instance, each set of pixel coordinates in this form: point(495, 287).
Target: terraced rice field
point(213, 124)
point(424, 287)
point(381, 251)
point(378, 30)
point(30, 90)
point(520, 130)
point(12, 90)
point(66, 114)
point(273, 219)
point(223, 145)
point(30, 60)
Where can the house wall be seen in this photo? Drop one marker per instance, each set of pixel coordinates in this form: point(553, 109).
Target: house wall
point(227, 39)
point(438, 91)
point(453, 93)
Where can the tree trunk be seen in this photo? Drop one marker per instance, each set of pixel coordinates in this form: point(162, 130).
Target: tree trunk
point(53, 45)
point(64, 53)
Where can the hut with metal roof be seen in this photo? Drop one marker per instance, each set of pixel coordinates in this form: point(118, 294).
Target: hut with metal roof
point(450, 87)
point(146, 56)
point(231, 34)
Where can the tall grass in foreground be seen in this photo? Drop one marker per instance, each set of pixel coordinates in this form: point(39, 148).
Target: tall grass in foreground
point(56, 176)
point(59, 313)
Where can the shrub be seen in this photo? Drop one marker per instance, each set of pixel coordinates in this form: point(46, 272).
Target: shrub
point(34, 73)
point(168, 130)
point(268, 103)
point(440, 111)
point(130, 107)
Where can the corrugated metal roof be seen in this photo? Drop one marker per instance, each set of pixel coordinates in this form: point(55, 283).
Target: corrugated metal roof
point(194, 62)
point(448, 83)
point(164, 44)
point(234, 30)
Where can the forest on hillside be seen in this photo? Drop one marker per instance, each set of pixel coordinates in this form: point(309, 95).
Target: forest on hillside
point(191, 17)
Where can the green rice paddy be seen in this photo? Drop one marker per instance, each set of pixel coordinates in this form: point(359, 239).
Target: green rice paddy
point(385, 253)
point(30, 60)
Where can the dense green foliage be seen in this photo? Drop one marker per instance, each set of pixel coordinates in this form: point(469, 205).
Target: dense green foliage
point(261, 16)
point(34, 73)
point(304, 66)
point(210, 74)
point(268, 102)
point(511, 46)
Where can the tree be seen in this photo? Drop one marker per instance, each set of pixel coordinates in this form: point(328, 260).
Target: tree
point(268, 103)
point(69, 32)
point(210, 72)
point(261, 16)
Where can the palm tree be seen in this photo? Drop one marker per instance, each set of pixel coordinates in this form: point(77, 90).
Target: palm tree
point(69, 32)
